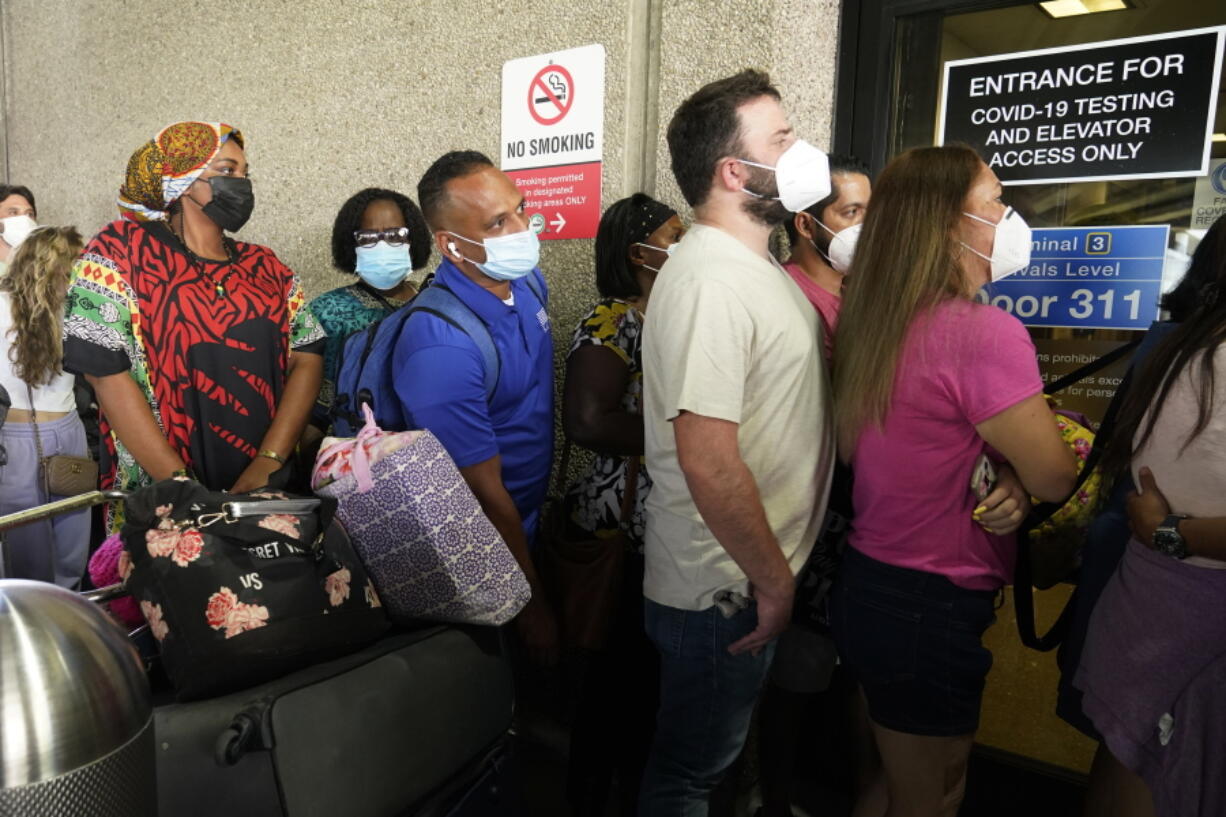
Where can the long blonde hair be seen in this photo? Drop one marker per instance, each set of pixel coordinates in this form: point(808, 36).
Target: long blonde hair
point(905, 263)
point(37, 283)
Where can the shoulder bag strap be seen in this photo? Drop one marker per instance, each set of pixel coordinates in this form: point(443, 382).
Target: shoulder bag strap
point(559, 484)
point(630, 495)
point(1023, 589)
point(378, 296)
point(1092, 367)
point(38, 442)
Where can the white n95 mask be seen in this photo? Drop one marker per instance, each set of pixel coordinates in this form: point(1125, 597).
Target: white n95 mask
point(1011, 247)
point(802, 175)
point(17, 229)
point(842, 247)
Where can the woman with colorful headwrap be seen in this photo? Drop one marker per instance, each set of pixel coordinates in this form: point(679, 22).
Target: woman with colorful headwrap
point(202, 353)
point(602, 411)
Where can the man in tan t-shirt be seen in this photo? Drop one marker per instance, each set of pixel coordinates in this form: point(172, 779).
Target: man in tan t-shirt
point(738, 432)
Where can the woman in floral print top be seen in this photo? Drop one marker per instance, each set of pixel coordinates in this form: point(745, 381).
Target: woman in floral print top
point(602, 411)
point(601, 408)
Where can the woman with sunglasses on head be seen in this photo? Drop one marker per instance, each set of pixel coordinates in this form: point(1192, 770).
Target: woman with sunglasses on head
point(927, 382)
point(602, 411)
point(201, 350)
point(380, 237)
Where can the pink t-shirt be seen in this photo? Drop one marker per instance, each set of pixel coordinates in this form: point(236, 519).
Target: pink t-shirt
point(826, 303)
point(962, 363)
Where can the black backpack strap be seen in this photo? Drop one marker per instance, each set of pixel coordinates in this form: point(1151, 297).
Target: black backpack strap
point(1023, 588)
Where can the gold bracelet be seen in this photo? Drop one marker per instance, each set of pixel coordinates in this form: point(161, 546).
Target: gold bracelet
point(272, 455)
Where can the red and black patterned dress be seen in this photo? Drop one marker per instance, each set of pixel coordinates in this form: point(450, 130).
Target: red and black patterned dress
point(211, 363)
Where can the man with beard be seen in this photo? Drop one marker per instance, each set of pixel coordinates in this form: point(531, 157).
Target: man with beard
point(738, 432)
point(822, 238)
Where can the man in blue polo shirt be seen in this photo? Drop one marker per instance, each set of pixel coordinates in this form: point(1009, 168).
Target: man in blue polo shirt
point(504, 445)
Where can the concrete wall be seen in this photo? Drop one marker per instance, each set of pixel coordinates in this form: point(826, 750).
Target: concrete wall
point(336, 96)
point(795, 40)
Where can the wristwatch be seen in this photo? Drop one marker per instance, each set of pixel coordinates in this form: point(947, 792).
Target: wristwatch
point(1167, 538)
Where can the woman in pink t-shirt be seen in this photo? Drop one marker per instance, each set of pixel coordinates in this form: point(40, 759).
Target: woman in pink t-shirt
point(926, 381)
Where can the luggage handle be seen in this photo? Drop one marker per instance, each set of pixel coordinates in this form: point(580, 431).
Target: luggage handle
point(112, 592)
point(232, 511)
point(72, 503)
point(101, 595)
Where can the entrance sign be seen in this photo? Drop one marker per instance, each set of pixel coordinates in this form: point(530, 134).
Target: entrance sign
point(1122, 109)
point(553, 137)
point(1087, 278)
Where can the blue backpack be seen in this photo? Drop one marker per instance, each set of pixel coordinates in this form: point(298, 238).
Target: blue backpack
point(364, 366)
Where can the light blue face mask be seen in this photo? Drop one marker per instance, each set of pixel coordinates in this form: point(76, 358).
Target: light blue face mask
point(507, 257)
point(383, 266)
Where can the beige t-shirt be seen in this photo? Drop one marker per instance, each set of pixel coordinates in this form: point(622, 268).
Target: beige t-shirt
point(732, 337)
point(1192, 478)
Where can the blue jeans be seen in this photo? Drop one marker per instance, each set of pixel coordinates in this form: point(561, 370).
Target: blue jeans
point(707, 697)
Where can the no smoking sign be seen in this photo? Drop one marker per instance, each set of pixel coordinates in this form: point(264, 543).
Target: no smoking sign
point(551, 94)
point(552, 138)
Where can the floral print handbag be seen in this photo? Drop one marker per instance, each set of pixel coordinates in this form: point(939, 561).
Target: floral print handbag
point(241, 588)
point(1055, 544)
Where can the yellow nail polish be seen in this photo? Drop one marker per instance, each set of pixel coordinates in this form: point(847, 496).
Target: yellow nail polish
point(979, 510)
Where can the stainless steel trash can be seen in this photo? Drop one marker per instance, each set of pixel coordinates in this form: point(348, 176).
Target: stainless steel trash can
point(76, 722)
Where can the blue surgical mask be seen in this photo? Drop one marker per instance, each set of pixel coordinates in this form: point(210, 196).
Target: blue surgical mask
point(383, 266)
point(507, 257)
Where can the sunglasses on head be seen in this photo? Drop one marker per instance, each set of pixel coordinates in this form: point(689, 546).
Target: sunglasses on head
point(395, 236)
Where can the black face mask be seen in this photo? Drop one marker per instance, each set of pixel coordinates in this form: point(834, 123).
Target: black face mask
point(233, 201)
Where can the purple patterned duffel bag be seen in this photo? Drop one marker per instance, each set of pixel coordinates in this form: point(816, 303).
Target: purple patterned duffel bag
point(426, 543)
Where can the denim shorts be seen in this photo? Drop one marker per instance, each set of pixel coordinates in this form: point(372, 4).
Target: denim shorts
point(914, 641)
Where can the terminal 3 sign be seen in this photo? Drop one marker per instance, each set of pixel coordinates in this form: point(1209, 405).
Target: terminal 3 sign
point(1122, 109)
point(1087, 278)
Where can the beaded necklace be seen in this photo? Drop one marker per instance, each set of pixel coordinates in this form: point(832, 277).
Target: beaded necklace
point(219, 284)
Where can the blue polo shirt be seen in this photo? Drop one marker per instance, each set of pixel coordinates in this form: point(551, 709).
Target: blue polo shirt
point(440, 380)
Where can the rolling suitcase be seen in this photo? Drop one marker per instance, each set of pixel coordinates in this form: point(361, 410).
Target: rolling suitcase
point(415, 725)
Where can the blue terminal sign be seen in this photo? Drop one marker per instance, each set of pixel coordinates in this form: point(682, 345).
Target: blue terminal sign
point(1087, 278)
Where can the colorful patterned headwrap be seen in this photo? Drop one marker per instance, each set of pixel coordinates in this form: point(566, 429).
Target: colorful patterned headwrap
point(647, 218)
point(163, 168)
